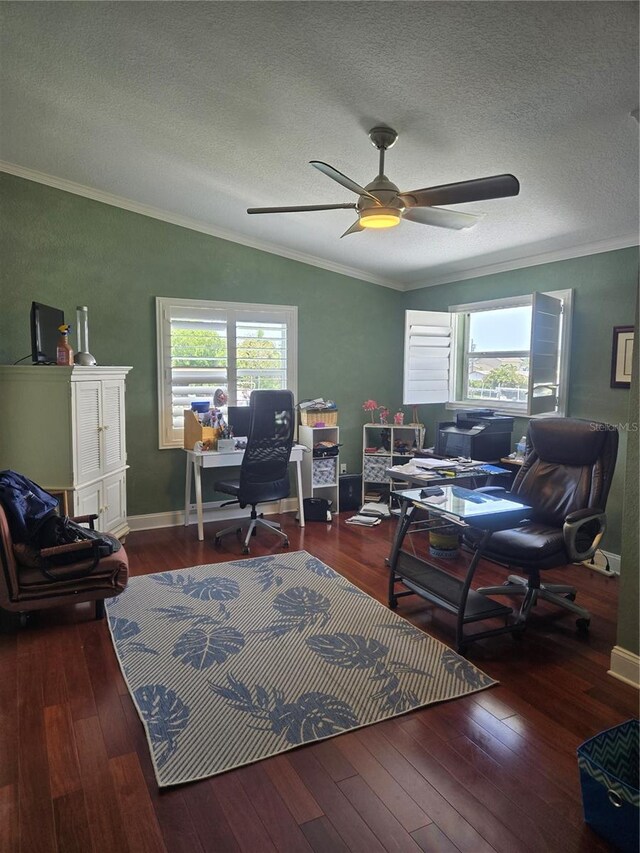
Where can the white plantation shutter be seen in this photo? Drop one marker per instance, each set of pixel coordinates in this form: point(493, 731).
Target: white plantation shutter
point(544, 365)
point(205, 345)
point(427, 357)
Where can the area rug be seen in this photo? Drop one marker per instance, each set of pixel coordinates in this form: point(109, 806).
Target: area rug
point(233, 662)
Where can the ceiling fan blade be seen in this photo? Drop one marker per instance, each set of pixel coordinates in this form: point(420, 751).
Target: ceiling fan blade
point(353, 229)
point(480, 189)
point(302, 207)
point(441, 218)
point(335, 175)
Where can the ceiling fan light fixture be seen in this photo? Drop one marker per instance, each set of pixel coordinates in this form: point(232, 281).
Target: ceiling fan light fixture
point(379, 217)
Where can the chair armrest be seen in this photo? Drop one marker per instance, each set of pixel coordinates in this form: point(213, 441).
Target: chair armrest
point(493, 490)
point(85, 519)
point(86, 545)
point(582, 531)
point(581, 514)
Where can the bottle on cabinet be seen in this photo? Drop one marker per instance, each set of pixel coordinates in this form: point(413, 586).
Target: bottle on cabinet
point(64, 352)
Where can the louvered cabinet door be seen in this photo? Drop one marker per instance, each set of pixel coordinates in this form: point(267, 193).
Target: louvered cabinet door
point(113, 432)
point(87, 401)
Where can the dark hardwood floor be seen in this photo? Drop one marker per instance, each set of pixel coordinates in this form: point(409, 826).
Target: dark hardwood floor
point(493, 771)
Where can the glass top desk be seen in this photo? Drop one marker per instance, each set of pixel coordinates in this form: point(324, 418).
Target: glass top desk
point(463, 508)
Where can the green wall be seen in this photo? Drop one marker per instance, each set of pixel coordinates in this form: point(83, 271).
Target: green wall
point(65, 250)
point(605, 288)
point(628, 636)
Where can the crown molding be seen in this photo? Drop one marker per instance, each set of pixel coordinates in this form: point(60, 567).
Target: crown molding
point(609, 245)
point(191, 224)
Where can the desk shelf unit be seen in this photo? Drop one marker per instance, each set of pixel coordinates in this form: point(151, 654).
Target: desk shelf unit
point(320, 474)
point(387, 439)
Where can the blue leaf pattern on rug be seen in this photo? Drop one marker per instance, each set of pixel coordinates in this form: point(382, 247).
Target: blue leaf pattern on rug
point(265, 569)
point(201, 648)
point(353, 651)
point(124, 629)
point(311, 716)
point(464, 670)
point(206, 589)
point(165, 715)
point(254, 657)
point(350, 651)
point(123, 632)
point(319, 568)
point(299, 608)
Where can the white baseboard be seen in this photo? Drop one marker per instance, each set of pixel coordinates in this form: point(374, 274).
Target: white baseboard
point(614, 561)
point(625, 666)
point(604, 562)
point(212, 512)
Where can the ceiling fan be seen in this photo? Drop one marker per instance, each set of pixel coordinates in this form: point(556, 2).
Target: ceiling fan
point(382, 205)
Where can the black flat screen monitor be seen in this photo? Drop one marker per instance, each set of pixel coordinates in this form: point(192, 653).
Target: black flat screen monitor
point(239, 418)
point(45, 321)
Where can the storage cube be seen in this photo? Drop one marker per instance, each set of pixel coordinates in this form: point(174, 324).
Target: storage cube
point(324, 471)
point(609, 773)
point(375, 467)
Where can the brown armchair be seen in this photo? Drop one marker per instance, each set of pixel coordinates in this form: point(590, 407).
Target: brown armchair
point(24, 586)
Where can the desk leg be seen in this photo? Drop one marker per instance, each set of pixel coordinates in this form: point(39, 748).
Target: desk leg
point(198, 482)
point(462, 605)
point(401, 530)
point(187, 492)
point(300, 495)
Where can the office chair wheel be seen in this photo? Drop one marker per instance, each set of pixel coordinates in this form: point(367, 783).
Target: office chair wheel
point(583, 625)
point(217, 540)
point(285, 544)
point(570, 596)
point(245, 550)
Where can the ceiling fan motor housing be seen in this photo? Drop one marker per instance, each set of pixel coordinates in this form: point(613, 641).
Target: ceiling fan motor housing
point(384, 190)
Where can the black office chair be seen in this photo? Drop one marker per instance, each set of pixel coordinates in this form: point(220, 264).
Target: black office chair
point(565, 477)
point(264, 474)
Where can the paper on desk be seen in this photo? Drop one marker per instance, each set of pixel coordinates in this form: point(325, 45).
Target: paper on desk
point(411, 470)
point(431, 464)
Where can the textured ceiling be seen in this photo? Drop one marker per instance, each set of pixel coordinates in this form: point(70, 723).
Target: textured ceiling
point(203, 109)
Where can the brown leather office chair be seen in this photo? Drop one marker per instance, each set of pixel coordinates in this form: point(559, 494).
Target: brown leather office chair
point(565, 477)
point(25, 587)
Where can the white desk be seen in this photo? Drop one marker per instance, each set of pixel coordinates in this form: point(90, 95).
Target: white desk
point(199, 459)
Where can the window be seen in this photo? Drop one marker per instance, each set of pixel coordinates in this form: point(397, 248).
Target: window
point(204, 346)
point(506, 354)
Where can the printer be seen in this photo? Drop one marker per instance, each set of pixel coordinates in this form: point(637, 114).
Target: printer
point(475, 433)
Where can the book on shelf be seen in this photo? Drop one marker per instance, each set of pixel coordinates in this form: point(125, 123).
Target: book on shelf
point(364, 520)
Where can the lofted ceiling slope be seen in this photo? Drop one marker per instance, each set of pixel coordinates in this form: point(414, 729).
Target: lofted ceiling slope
point(204, 109)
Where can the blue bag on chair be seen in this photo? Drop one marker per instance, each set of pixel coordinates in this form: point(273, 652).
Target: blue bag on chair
point(25, 504)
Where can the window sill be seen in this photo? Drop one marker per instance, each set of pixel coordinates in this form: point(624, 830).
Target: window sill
point(500, 409)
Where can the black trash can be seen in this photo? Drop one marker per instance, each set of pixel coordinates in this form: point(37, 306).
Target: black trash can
point(350, 486)
point(609, 773)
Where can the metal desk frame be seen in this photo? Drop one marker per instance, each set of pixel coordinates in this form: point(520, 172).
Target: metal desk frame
point(434, 584)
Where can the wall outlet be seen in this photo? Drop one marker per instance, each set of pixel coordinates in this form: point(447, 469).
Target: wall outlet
point(343, 467)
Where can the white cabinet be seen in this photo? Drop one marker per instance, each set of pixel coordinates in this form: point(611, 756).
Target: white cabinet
point(382, 447)
point(64, 427)
point(320, 473)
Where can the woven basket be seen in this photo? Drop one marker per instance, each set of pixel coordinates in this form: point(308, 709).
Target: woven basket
point(311, 417)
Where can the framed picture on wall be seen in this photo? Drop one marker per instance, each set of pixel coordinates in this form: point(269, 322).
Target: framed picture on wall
point(622, 356)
